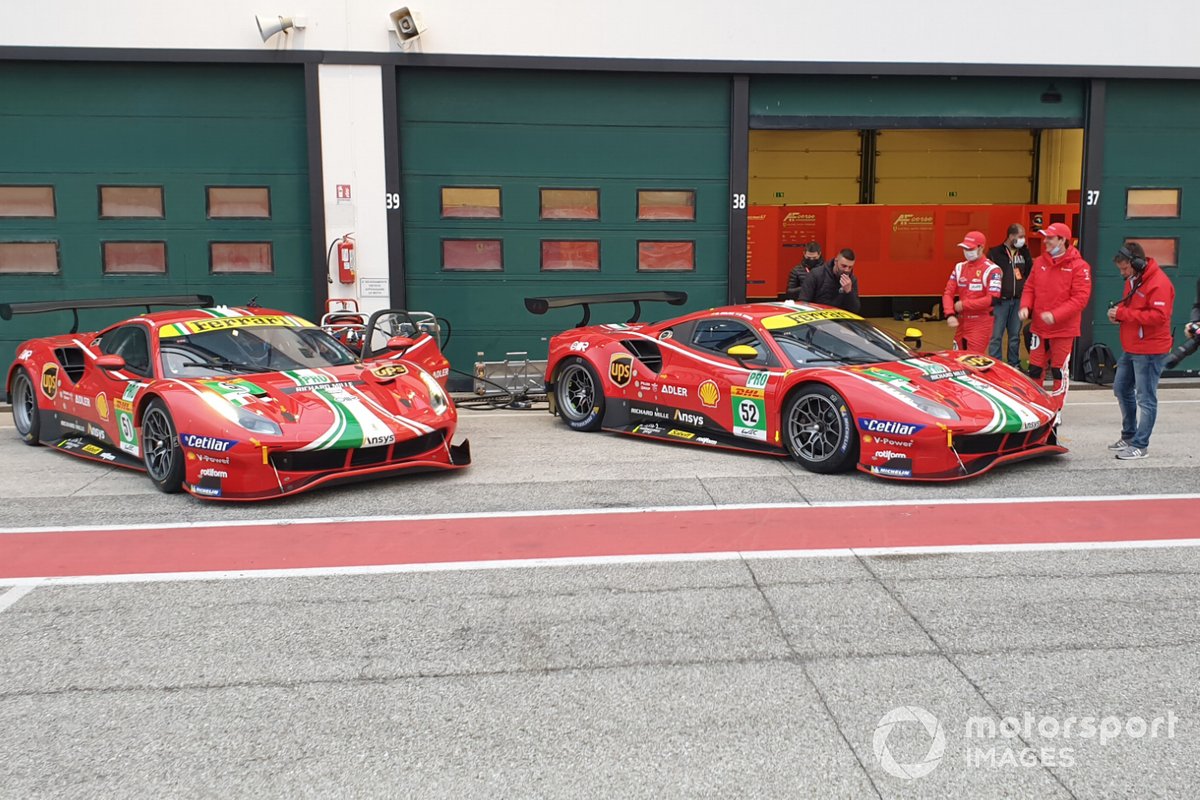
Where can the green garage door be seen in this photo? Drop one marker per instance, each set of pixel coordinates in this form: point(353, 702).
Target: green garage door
point(1151, 182)
point(530, 183)
point(135, 179)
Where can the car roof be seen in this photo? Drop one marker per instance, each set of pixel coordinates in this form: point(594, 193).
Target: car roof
point(757, 312)
point(162, 319)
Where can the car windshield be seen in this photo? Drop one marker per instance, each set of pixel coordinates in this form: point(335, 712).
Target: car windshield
point(839, 341)
point(248, 350)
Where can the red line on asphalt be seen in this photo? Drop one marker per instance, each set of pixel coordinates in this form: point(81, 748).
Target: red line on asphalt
point(434, 541)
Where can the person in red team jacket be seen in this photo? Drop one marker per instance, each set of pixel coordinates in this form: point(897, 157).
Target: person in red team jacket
point(975, 281)
point(1144, 314)
point(1056, 292)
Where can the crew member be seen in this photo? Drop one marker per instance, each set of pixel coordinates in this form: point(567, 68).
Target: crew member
point(812, 260)
point(1056, 292)
point(1012, 255)
point(833, 284)
point(1144, 315)
point(975, 281)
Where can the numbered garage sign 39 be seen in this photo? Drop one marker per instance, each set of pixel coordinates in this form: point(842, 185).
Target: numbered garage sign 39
point(750, 418)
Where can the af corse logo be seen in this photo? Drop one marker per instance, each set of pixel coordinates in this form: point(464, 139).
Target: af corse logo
point(620, 369)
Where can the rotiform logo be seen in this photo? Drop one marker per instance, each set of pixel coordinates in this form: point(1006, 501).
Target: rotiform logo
point(888, 426)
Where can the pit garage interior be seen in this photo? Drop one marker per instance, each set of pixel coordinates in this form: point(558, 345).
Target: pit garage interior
point(899, 169)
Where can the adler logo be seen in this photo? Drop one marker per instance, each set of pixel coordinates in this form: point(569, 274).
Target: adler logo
point(888, 426)
point(205, 442)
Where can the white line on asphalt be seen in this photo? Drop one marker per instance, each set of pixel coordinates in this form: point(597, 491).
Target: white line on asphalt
point(574, 512)
point(1114, 400)
point(28, 584)
point(17, 592)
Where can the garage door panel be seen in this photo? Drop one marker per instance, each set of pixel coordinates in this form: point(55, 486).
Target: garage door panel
point(990, 164)
point(917, 191)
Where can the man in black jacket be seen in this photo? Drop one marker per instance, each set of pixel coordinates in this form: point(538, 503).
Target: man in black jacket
point(812, 260)
point(833, 284)
point(1014, 259)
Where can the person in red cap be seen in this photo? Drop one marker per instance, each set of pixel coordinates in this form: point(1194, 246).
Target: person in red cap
point(1056, 292)
point(975, 281)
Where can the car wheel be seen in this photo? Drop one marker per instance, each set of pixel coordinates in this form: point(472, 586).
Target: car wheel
point(160, 448)
point(579, 396)
point(818, 430)
point(26, 417)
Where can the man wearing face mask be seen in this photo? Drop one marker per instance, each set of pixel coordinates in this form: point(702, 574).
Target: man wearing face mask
point(975, 281)
point(812, 260)
point(1013, 258)
point(1055, 294)
point(833, 284)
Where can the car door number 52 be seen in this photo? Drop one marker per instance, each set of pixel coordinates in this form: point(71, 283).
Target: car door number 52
point(748, 411)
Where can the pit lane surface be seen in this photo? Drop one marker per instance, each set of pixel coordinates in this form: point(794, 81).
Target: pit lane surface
point(743, 675)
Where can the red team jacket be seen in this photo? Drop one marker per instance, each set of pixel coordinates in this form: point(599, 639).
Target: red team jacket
point(975, 283)
point(1144, 314)
point(1061, 286)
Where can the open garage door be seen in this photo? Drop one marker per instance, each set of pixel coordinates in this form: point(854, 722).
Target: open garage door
point(935, 157)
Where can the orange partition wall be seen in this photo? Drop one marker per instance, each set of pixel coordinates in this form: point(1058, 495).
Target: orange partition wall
point(902, 251)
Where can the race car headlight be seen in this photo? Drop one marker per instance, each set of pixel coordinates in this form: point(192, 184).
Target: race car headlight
point(437, 397)
point(240, 416)
point(933, 409)
point(257, 424)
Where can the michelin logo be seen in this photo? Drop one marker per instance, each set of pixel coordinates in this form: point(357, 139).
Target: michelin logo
point(888, 426)
point(206, 442)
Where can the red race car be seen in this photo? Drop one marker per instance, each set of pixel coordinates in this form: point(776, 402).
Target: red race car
point(232, 403)
point(819, 384)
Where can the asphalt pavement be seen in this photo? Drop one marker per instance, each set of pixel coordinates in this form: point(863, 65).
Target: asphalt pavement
point(750, 677)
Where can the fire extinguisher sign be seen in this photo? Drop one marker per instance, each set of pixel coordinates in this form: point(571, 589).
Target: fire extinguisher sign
point(343, 192)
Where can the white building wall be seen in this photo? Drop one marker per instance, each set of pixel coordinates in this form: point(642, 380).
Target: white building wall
point(352, 152)
point(1085, 32)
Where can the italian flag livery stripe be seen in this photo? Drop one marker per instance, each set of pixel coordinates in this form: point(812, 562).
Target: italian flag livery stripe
point(1009, 415)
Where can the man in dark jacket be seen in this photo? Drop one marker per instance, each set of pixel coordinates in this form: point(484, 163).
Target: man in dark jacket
point(812, 260)
point(1013, 258)
point(1144, 316)
point(833, 284)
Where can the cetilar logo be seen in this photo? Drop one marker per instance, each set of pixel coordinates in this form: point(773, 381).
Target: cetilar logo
point(937, 745)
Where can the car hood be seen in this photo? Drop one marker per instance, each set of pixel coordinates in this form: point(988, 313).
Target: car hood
point(351, 406)
point(986, 396)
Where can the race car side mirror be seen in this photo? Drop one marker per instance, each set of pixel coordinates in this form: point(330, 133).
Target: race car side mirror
point(111, 362)
point(914, 336)
point(742, 352)
point(399, 343)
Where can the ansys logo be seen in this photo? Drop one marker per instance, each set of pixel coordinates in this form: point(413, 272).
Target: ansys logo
point(909, 714)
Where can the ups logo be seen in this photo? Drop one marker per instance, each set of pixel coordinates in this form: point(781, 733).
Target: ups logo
point(620, 370)
point(978, 362)
point(50, 380)
point(388, 371)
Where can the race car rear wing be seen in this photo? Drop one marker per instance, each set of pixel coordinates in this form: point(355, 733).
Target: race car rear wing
point(9, 310)
point(540, 305)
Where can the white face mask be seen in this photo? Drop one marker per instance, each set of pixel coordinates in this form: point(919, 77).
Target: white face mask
point(1020, 242)
point(971, 255)
point(1058, 249)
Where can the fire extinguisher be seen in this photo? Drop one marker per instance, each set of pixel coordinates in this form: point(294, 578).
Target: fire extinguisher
point(345, 259)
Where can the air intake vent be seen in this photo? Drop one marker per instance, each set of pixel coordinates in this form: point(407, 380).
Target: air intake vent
point(646, 352)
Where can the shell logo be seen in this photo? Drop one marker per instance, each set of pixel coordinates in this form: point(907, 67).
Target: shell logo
point(710, 395)
point(102, 405)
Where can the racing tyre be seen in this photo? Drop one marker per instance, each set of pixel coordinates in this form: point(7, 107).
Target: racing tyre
point(26, 417)
point(160, 448)
point(579, 396)
point(818, 430)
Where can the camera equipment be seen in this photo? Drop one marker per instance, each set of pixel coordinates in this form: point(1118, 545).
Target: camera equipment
point(1187, 348)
